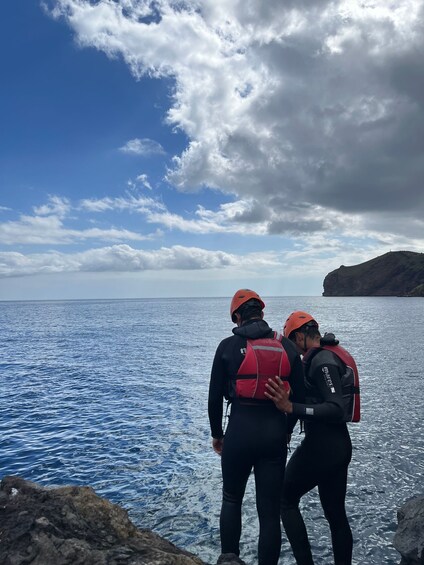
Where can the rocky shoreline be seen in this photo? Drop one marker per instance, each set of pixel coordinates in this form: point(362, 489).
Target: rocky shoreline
point(73, 526)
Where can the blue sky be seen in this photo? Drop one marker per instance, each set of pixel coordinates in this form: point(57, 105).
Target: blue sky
point(192, 148)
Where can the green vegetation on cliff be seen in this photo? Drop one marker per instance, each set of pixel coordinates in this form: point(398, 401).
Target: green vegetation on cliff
point(397, 273)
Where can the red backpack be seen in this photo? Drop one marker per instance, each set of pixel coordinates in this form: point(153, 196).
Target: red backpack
point(265, 358)
point(349, 381)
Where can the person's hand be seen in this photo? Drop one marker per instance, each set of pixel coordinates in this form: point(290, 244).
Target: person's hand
point(217, 445)
point(276, 391)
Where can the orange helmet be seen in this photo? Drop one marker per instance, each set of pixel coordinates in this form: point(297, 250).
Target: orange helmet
point(296, 320)
point(242, 296)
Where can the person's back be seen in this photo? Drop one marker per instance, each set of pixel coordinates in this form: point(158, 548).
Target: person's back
point(256, 434)
point(323, 396)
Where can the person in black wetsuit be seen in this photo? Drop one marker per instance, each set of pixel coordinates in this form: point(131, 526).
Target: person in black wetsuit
point(256, 436)
point(323, 456)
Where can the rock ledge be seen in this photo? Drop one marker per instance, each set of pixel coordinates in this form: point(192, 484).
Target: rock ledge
point(409, 537)
point(74, 526)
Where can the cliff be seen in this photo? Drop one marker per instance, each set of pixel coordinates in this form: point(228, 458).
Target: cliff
point(397, 273)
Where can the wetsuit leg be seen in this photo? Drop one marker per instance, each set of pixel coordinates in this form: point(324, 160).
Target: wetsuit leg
point(255, 438)
point(299, 479)
point(268, 480)
point(320, 460)
point(332, 492)
point(236, 466)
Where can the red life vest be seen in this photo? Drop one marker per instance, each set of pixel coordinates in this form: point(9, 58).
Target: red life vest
point(265, 358)
point(350, 383)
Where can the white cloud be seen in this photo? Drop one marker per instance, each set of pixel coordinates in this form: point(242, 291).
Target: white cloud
point(40, 230)
point(56, 205)
point(311, 258)
point(144, 180)
point(142, 147)
point(304, 105)
point(123, 258)
point(129, 203)
point(304, 224)
point(248, 217)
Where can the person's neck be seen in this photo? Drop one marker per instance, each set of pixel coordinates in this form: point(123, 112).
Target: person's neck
point(310, 343)
point(256, 319)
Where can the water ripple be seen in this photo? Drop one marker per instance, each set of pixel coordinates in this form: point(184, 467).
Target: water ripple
point(114, 394)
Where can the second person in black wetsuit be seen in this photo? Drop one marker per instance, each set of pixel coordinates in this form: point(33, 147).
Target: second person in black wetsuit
point(256, 436)
point(323, 456)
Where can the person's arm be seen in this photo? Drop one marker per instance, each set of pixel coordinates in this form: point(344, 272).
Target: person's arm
point(217, 445)
point(296, 381)
point(325, 376)
point(216, 395)
point(277, 392)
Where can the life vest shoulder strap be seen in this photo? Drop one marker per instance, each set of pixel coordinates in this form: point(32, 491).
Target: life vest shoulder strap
point(342, 354)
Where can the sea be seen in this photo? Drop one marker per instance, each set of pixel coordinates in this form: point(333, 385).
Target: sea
point(113, 394)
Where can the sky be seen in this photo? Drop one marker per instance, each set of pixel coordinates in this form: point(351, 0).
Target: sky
point(190, 148)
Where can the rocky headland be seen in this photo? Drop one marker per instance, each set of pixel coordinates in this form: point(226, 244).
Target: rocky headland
point(397, 273)
point(74, 526)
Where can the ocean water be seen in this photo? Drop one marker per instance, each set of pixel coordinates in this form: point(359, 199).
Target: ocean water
point(113, 394)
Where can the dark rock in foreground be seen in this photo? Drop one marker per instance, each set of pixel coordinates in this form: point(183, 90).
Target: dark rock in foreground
point(397, 273)
point(409, 537)
point(74, 526)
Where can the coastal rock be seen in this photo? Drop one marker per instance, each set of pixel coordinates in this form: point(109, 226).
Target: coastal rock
point(409, 537)
point(397, 273)
point(73, 526)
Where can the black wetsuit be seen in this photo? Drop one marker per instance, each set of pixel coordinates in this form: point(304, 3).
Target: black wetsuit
point(321, 460)
point(256, 437)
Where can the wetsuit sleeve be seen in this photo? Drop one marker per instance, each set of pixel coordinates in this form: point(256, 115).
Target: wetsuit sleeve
point(217, 392)
point(324, 377)
point(296, 381)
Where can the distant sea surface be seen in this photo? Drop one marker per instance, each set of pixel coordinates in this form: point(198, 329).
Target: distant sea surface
point(113, 394)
